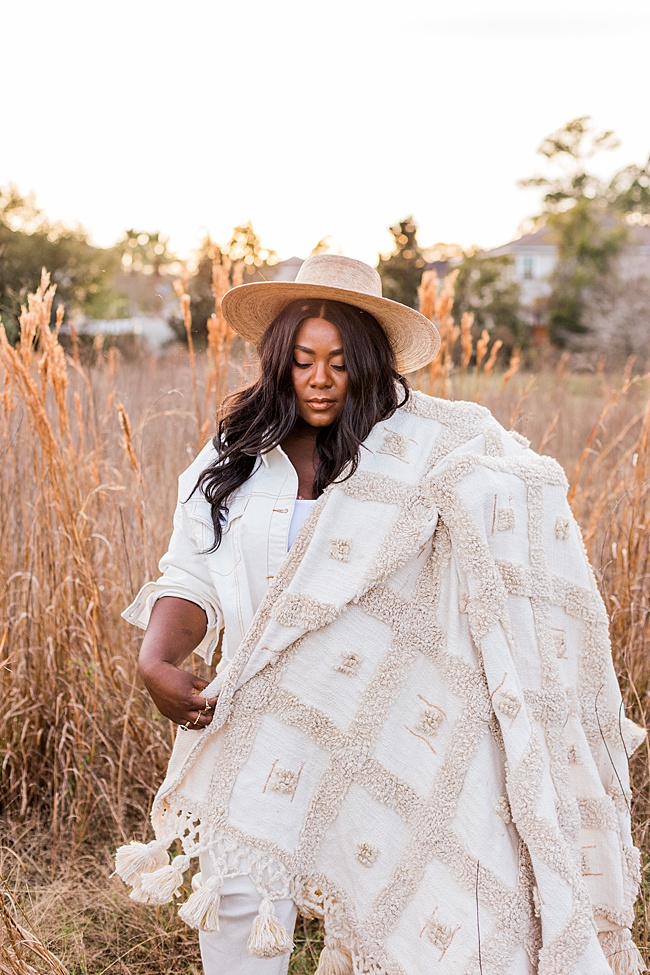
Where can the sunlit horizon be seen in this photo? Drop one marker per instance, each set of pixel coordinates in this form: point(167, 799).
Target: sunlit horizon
point(329, 122)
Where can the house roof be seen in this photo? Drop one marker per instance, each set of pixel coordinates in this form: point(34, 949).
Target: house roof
point(441, 268)
point(638, 236)
point(533, 241)
point(288, 269)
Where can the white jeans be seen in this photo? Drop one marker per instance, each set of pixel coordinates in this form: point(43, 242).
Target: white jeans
point(224, 952)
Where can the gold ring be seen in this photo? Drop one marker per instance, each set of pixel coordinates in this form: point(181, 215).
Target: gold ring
point(208, 707)
point(198, 718)
point(184, 727)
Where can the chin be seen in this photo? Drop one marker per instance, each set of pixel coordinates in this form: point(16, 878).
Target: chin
point(314, 419)
point(322, 421)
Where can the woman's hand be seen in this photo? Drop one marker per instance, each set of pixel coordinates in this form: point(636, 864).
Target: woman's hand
point(176, 627)
point(177, 694)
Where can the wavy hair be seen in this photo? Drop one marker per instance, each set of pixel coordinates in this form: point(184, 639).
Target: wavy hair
point(259, 417)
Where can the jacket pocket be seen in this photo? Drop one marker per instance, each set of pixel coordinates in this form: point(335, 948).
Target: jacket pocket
point(224, 559)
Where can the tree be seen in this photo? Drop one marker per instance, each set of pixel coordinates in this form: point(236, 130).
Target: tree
point(618, 311)
point(587, 244)
point(245, 246)
point(401, 270)
point(18, 212)
point(567, 151)
point(486, 287)
point(630, 191)
point(586, 216)
point(144, 278)
point(323, 246)
point(28, 242)
point(145, 252)
point(243, 250)
point(199, 288)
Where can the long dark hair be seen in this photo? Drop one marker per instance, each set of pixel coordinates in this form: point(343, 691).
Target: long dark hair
point(259, 417)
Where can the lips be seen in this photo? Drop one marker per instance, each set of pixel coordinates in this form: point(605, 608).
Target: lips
point(320, 404)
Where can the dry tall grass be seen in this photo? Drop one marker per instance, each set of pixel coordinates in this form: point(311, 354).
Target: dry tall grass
point(89, 461)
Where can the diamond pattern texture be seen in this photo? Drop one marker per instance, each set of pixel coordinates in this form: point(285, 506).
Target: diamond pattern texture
point(474, 817)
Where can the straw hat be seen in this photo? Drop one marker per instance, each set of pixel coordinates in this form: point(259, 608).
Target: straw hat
point(250, 308)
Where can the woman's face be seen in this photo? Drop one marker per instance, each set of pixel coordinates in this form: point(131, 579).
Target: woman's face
point(319, 377)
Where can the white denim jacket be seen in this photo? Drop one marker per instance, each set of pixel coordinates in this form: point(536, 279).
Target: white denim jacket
point(230, 583)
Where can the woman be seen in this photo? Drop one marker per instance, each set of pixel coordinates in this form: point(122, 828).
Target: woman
point(415, 730)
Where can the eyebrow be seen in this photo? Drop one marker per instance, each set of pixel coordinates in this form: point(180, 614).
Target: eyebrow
point(303, 348)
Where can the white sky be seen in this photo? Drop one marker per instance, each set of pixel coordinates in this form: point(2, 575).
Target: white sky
point(337, 117)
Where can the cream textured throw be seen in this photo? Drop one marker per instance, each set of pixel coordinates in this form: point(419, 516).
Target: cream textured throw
point(422, 736)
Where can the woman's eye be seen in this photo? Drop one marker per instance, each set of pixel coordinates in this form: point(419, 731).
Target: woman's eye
point(339, 368)
point(301, 365)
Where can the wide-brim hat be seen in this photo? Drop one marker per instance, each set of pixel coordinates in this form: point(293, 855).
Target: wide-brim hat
point(250, 308)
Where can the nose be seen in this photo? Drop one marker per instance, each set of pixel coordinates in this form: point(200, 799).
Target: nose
point(321, 377)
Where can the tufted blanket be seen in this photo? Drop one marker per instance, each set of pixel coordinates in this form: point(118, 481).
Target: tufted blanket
point(422, 736)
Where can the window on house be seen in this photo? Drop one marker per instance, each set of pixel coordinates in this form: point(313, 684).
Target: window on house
point(528, 268)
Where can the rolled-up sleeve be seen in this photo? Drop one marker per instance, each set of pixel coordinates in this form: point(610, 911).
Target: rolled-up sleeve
point(185, 574)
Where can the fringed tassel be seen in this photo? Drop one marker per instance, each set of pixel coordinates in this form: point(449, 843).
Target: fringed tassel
point(201, 909)
point(623, 956)
point(135, 859)
point(334, 959)
point(268, 937)
point(139, 896)
point(162, 885)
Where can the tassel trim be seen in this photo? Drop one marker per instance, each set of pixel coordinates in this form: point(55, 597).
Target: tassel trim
point(334, 959)
point(623, 956)
point(268, 937)
point(135, 859)
point(139, 896)
point(163, 884)
point(201, 909)
point(156, 880)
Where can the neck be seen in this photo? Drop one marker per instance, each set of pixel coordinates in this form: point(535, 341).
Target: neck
point(303, 431)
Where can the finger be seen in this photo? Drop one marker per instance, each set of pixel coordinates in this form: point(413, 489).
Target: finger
point(191, 720)
point(199, 720)
point(189, 726)
point(201, 703)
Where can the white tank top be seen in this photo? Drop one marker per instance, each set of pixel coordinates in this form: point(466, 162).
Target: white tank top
point(301, 511)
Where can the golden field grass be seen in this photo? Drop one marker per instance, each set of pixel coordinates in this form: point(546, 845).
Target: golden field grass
point(90, 456)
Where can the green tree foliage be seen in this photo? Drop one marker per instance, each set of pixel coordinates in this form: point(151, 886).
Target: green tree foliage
point(629, 191)
point(486, 287)
point(144, 280)
point(246, 246)
point(588, 218)
point(568, 151)
point(28, 243)
point(401, 270)
point(587, 243)
point(199, 288)
point(144, 252)
point(244, 249)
